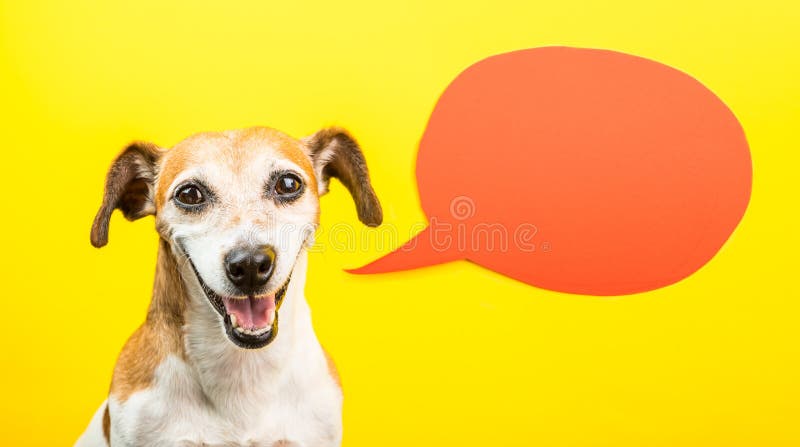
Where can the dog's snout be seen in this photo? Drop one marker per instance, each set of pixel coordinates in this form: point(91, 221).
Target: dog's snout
point(249, 268)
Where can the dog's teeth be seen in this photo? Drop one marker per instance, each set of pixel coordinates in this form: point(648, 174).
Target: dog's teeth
point(253, 332)
point(233, 321)
point(262, 331)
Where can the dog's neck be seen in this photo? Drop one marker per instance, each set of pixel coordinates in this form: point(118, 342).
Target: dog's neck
point(224, 372)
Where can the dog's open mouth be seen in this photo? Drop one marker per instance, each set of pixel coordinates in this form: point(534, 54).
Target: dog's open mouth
point(251, 315)
point(251, 322)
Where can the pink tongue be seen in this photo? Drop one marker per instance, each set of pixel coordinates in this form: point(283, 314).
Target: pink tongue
point(252, 313)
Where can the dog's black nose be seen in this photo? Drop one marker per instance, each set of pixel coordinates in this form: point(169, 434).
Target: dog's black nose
point(249, 268)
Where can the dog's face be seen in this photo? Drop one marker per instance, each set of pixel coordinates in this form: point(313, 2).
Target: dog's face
point(239, 206)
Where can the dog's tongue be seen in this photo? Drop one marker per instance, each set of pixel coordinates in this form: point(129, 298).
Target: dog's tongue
point(251, 313)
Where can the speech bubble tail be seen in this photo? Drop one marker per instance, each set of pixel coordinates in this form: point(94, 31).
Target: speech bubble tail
point(420, 251)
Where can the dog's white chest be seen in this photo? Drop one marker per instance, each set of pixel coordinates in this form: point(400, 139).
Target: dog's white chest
point(297, 409)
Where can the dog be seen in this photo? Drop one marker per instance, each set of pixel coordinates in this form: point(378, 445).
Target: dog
point(236, 212)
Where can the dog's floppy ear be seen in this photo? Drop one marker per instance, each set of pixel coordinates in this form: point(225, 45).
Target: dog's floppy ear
point(129, 187)
point(335, 153)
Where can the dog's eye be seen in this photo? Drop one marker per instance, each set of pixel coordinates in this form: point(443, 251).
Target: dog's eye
point(190, 195)
point(288, 185)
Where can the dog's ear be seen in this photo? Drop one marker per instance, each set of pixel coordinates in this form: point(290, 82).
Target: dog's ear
point(334, 153)
point(129, 187)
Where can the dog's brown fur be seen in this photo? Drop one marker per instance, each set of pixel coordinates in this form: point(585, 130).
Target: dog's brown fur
point(159, 336)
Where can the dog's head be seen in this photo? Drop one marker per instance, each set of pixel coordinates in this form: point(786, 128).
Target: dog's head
point(239, 207)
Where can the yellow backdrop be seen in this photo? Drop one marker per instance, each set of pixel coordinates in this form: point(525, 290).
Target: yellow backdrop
point(711, 361)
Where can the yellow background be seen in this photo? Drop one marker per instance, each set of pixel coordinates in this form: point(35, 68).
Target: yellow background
point(452, 354)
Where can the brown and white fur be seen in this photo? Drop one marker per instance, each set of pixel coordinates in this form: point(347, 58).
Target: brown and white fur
point(182, 379)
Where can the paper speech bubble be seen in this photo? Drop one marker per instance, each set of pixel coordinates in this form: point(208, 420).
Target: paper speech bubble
point(578, 170)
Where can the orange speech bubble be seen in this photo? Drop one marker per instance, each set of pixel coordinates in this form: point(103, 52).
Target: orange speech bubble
point(578, 170)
